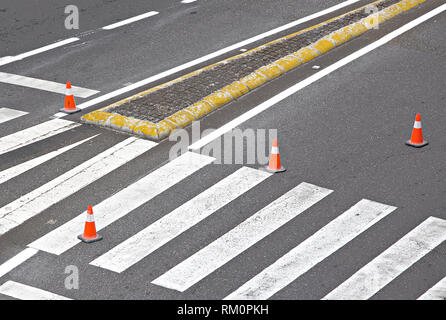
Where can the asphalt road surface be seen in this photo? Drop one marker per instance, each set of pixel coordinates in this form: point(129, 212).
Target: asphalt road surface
point(357, 215)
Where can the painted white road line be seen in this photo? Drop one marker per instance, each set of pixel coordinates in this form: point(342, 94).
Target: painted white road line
point(130, 20)
point(255, 228)
point(391, 263)
point(9, 59)
point(33, 203)
point(45, 85)
point(308, 81)
point(437, 292)
point(210, 56)
point(17, 260)
point(12, 172)
point(188, 1)
point(34, 134)
point(313, 250)
point(179, 220)
point(7, 114)
point(24, 292)
point(123, 202)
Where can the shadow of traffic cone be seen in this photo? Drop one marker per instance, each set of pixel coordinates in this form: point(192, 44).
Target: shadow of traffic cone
point(90, 234)
point(274, 159)
point(70, 105)
point(416, 140)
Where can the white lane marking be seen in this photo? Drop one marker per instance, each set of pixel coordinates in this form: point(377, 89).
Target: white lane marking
point(313, 250)
point(210, 56)
point(10, 173)
point(123, 202)
point(45, 85)
point(34, 134)
point(391, 263)
point(437, 292)
point(255, 228)
point(33, 203)
point(9, 59)
point(308, 81)
point(188, 1)
point(130, 20)
point(24, 292)
point(15, 261)
point(179, 220)
point(7, 114)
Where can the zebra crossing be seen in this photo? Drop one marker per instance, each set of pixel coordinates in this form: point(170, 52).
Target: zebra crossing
point(219, 252)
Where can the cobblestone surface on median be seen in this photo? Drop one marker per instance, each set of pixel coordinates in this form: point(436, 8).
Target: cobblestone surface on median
point(158, 105)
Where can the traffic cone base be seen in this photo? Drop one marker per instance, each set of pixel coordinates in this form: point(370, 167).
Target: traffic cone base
point(89, 240)
point(281, 169)
point(70, 111)
point(417, 145)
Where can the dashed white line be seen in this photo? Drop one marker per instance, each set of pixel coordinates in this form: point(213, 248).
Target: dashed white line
point(7, 114)
point(45, 85)
point(123, 202)
point(392, 262)
point(17, 260)
point(24, 292)
point(130, 20)
point(9, 59)
point(34, 202)
point(179, 220)
point(255, 228)
point(313, 250)
point(36, 133)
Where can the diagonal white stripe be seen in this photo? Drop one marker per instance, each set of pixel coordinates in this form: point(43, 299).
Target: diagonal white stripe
point(437, 292)
point(34, 134)
point(31, 204)
point(7, 114)
point(313, 250)
point(242, 237)
point(16, 260)
point(10, 173)
point(25, 292)
point(123, 202)
point(391, 263)
point(181, 219)
point(45, 85)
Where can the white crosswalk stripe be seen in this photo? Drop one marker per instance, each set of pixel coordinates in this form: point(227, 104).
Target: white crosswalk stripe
point(45, 85)
point(24, 292)
point(31, 204)
point(123, 202)
point(437, 292)
point(178, 221)
point(243, 236)
point(15, 261)
point(34, 134)
point(391, 263)
point(313, 250)
point(7, 114)
point(12, 172)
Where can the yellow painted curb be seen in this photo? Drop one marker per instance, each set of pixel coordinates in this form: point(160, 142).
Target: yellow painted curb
point(182, 118)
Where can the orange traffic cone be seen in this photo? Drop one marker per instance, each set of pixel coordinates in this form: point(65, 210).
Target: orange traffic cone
point(416, 140)
point(70, 105)
point(90, 234)
point(274, 159)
